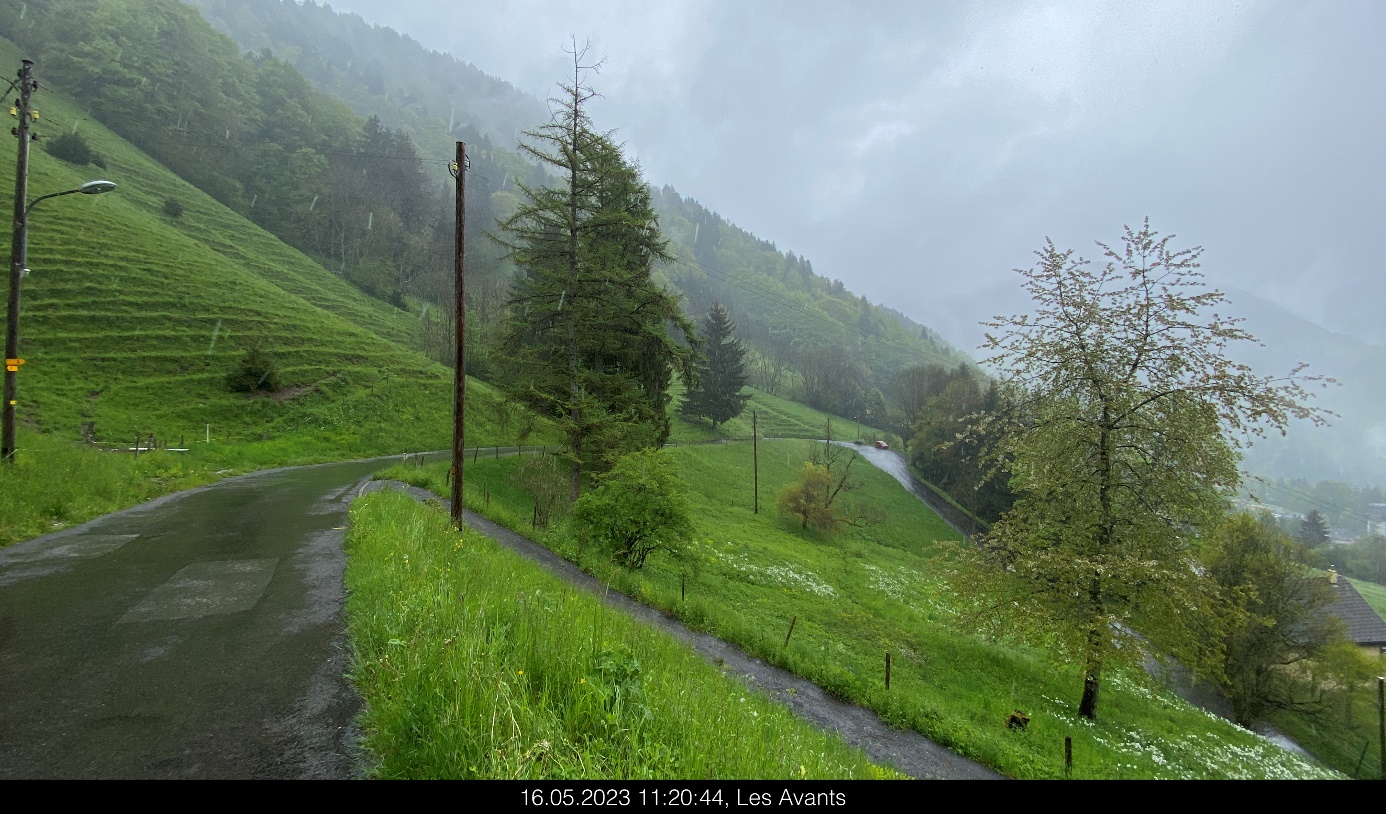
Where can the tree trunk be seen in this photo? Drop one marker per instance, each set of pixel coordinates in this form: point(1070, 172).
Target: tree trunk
point(573, 390)
point(1092, 684)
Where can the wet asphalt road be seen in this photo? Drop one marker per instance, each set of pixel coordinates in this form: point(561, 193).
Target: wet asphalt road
point(890, 462)
point(197, 635)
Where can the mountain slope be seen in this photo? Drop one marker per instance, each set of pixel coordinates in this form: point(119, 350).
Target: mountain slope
point(784, 309)
point(132, 319)
point(1353, 447)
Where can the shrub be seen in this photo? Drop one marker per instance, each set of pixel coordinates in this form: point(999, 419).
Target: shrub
point(172, 208)
point(256, 372)
point(640, 507)
point(810, 498)
point(72, 148)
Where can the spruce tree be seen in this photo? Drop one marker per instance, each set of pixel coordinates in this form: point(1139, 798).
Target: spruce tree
point(1313, 530)
point(722, 373)
point(588, 337)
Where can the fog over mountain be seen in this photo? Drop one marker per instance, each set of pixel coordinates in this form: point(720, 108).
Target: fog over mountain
point(920, 152)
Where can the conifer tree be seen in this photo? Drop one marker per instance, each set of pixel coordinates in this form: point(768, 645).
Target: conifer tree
point(722, 373)
point(1313, 530)
point(589, 333)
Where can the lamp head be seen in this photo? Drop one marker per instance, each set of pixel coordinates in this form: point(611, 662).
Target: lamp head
point(96, 187)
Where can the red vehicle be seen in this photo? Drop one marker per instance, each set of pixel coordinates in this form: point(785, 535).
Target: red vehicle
point(882, 445)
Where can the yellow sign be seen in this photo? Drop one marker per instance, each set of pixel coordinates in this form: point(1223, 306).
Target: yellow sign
point(12, 368)
point(14, 361)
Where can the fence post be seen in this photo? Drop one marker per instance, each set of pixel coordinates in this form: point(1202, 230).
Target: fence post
point(791, 630)
point(1381, 721)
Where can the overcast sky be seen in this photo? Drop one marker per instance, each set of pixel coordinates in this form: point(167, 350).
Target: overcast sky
point(920, 151)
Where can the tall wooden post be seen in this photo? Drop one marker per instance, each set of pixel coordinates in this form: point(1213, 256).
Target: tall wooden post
point(18, 250)
point(755, 465)
point(459, 390)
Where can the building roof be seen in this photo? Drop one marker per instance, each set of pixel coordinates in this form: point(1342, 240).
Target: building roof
point(1364, 624)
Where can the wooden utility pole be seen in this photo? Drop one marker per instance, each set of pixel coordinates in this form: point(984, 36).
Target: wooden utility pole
point(755, 465)
point(459, 390)
point(18, 250)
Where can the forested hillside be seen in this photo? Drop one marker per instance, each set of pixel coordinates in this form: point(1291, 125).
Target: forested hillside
point(367, 202)
point(378, 72)
point(810, 337)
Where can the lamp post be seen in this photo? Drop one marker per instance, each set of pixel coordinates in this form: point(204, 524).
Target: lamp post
point(19, 255)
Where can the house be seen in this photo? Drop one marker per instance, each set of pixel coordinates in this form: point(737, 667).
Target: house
point(1365, 627)
point(1376, 518)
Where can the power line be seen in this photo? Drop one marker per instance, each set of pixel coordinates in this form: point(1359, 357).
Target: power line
point(1318, 502)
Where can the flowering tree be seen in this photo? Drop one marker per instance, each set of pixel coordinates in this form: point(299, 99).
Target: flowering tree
point(1123, 445)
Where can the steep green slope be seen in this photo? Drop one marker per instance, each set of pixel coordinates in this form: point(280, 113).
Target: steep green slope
point(131, 318)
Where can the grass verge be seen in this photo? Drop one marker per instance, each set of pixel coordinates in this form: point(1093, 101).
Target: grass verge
point(476, 663)
point(855, 596)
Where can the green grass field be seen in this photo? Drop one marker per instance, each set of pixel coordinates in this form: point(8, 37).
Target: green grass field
point(858, 595)
point(776, 417)
point(476, 663)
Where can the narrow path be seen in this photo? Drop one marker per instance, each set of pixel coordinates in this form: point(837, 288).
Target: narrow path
point(905, 750)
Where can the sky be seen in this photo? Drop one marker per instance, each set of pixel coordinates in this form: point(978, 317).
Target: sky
point(920, 152)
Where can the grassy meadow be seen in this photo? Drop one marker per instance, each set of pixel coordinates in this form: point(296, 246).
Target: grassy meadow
point(776, 417)
point(857, 595)
point(476, 663)
point(55, 483)
point(131, 320)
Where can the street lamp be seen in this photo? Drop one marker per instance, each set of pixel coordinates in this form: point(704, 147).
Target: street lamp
point(19, 256)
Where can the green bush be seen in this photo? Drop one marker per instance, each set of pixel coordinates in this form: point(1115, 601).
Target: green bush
point(256, 372)
point(639, 508)
point(173, 208)
point(73, 149)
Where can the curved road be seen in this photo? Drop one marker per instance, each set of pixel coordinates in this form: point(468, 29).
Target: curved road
point(893, 464)
point(201, 635)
